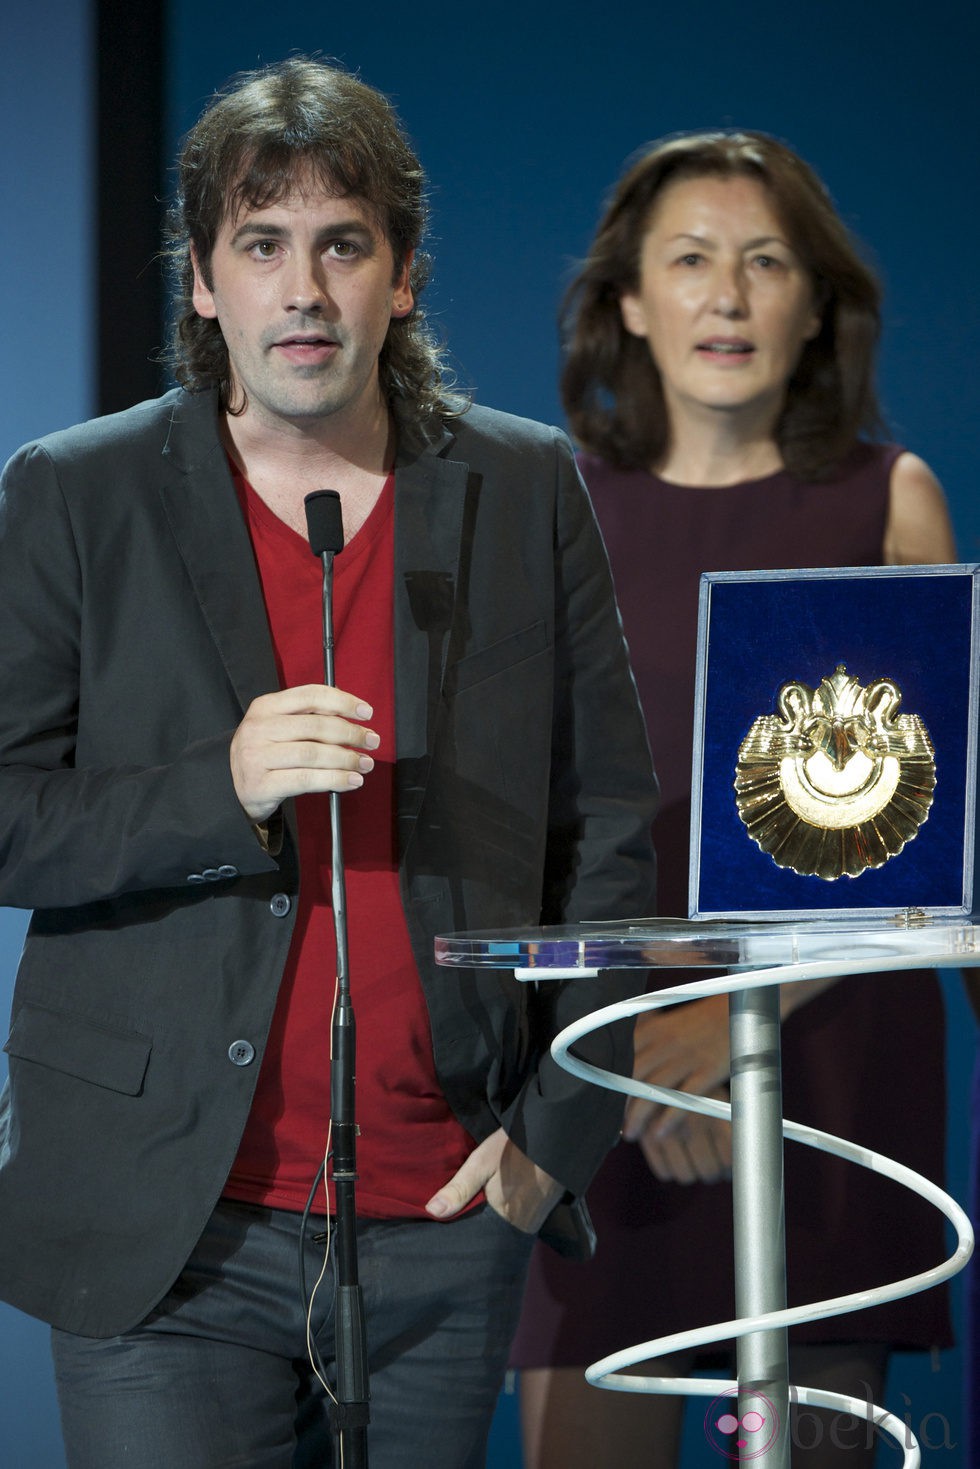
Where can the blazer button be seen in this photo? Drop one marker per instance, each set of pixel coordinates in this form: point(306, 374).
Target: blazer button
point(195, 877)
point(280, 904)
point(226, 870)
point(210, 874)
point(241, 1053)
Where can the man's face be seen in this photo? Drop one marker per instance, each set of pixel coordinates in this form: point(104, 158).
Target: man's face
point(304, 291)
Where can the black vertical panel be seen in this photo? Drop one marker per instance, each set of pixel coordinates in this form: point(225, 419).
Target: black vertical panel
point(131, 188)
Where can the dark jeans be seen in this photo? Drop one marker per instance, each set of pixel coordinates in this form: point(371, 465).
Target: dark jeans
point(218, 1374)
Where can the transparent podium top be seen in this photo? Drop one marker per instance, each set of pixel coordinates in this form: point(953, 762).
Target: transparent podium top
point(676, 943)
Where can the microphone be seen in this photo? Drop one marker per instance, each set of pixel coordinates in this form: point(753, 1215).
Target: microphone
point(325, 530)
point(325, 526)
point(324, 522)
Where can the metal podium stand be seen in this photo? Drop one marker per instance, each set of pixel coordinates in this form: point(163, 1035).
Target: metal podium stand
point(758, 958)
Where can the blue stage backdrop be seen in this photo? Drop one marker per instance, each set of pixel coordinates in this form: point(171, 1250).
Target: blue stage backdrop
point(524, 115)
point(46, 357)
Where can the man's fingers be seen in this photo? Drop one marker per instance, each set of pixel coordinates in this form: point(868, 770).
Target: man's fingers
point(468, 1180)
point(310, 698)
point(300, 741)
point(307, 740)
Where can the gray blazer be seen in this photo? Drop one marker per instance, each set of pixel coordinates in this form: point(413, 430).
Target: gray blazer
point(132, 638)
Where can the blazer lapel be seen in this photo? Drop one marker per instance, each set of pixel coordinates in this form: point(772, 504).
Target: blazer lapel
point(209, 528)
point(430, 502)
point(431, 495)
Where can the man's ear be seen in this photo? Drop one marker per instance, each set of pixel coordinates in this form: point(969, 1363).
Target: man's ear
point(403, 297)
point(202, 295)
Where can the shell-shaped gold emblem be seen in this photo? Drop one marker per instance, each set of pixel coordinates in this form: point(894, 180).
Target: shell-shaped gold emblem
point(838, 781)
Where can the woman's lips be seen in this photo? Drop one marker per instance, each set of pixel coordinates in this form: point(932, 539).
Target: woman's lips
point(726, 349)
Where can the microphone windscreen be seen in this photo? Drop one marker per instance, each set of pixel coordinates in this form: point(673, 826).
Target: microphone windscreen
point(324, 521)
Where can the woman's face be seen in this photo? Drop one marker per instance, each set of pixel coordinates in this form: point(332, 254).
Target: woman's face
point(723, 301)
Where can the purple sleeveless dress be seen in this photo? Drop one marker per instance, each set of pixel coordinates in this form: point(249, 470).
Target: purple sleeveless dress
point(865, 1060)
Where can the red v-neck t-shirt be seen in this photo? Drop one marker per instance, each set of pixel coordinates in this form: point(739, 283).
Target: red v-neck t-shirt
point(410, 1142)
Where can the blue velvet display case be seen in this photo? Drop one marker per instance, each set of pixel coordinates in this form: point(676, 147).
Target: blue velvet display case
point(761, 632)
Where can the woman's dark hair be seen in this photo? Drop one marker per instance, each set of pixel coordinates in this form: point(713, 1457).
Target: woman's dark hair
point(610, 385)
point(301, 119)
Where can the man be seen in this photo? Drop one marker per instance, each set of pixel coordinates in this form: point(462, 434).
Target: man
point(167, 747)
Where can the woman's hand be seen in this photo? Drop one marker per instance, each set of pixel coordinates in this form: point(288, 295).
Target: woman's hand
point(684, 1047)
point(689, 1147)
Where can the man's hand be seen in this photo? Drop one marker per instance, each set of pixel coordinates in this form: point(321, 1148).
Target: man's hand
point(300, 740)
point(515, 1187)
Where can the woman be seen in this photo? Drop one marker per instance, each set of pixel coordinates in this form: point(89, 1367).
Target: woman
point(719, 377)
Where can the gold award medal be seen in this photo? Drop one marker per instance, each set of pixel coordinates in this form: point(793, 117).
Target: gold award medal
point(838, 781)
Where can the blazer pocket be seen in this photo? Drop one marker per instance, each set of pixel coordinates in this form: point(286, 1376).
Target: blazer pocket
point(102, 1054)
point(500, 656)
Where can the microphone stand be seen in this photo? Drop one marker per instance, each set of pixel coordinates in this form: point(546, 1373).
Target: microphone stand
point(350, 1412)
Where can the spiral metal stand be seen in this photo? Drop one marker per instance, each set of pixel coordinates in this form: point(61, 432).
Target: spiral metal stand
point(761, 1386)
point(770, 955)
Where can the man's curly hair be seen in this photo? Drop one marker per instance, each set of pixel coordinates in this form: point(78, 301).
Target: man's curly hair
point(301, 119)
